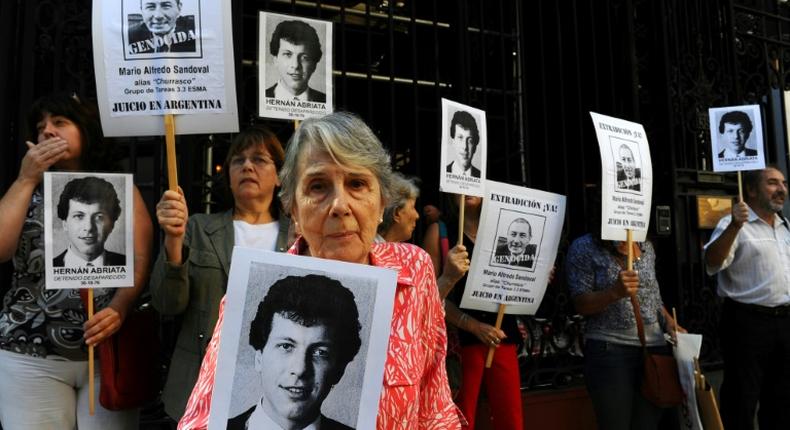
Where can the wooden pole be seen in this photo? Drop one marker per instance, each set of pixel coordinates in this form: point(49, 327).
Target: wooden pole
point(91, 364)
point(740, 187)
point(629, 243)
point(461, 211)
point(498, 325)
point(170, 143)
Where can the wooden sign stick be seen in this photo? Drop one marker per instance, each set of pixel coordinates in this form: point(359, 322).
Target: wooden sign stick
point(498, 325)
point(170, 143)
point(91, 364)
point(461, 220)
point(740, 187)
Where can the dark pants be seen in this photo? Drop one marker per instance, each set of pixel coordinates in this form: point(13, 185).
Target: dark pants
point(756, 349)
point(613, 374)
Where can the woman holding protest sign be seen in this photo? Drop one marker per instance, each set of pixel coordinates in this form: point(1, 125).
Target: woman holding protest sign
point(191, 273)
point(335, 183)
point(44, 334)
point(601, 288)
point(477, 329)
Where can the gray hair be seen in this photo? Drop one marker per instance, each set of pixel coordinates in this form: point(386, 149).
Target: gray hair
point(403, 190)
point(347, 139)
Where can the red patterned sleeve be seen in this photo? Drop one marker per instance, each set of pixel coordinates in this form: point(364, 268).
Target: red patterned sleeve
point(199, 403)
point(437, 410)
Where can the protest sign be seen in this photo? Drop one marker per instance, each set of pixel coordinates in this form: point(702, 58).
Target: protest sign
point(295, 67)
point(88, 234)
point(303, 335)
point(516, 245)
point(736, 137)
point(154, 58)
point(464, 147)
point(626, 178)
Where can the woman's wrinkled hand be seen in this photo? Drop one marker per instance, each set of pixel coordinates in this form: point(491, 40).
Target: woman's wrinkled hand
point(457, 263)
point(488, 334)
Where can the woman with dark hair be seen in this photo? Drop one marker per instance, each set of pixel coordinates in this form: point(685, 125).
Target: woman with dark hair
point(601, 288)
point(191, 272)
point(44, 334)
point(477, 331)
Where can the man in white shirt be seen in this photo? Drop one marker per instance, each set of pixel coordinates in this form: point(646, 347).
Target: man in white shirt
point(750, 252)
point(464, 138)
point(295, 50)
point(305, 332)
point(88, 208)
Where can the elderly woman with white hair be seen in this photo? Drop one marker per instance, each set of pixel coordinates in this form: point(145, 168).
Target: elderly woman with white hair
point(336, 182)
point(400, 216)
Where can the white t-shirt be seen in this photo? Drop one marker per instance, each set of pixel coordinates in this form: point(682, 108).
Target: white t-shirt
point(260, 236)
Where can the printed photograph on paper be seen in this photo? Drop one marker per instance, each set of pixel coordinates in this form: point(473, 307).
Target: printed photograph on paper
point(628, 165)
point(305, 346)
point(463, 149)
point(295, 58)
point(161, 29)
point(518, 239)
point(736, 138)
point(88, 241)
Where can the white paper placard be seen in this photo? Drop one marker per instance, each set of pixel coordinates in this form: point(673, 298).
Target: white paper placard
point(248, 377)
point(516, 245)
point(626, 178)
point(163, 57)
point(84, 246)
point(464, 148)
point(295, 67)
point(736, 137)
point(687, 349)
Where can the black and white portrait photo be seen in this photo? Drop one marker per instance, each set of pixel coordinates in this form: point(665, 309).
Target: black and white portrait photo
point(89, 216)
point(736, 138)
point(627, 165)
point(463, 149)
point(518, 239)
point(296, 66)
point(162, 28)
point(302, 339)
point(464, 138)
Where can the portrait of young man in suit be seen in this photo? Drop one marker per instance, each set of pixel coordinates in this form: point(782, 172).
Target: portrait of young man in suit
point(296, 50)
point(88, 208)
point(305, 332)
point(464, 138)
point(735, 127)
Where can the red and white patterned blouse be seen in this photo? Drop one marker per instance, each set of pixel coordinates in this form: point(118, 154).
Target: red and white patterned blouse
point(416, 394)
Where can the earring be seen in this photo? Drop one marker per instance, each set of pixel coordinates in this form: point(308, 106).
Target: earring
point(381, 220)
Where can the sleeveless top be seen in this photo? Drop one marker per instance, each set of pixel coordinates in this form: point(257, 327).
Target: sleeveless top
point(509, 323)
point(36, 321)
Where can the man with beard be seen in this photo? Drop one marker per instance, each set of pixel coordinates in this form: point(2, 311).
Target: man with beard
point(89, 208)
point(735, 127)
point(305, 333)
point(629, 177)
point(750, 253)
point(517, 251)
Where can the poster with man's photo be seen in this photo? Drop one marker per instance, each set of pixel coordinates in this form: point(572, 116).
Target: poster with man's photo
point(295, 67)
point(88, 230)
point(464, 148)
point(515, 249)
point(157, 57)
point(736, 137)
point(626, 177)
point(304, 341)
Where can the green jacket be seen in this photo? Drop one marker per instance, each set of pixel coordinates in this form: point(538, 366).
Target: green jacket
point(193, 291)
